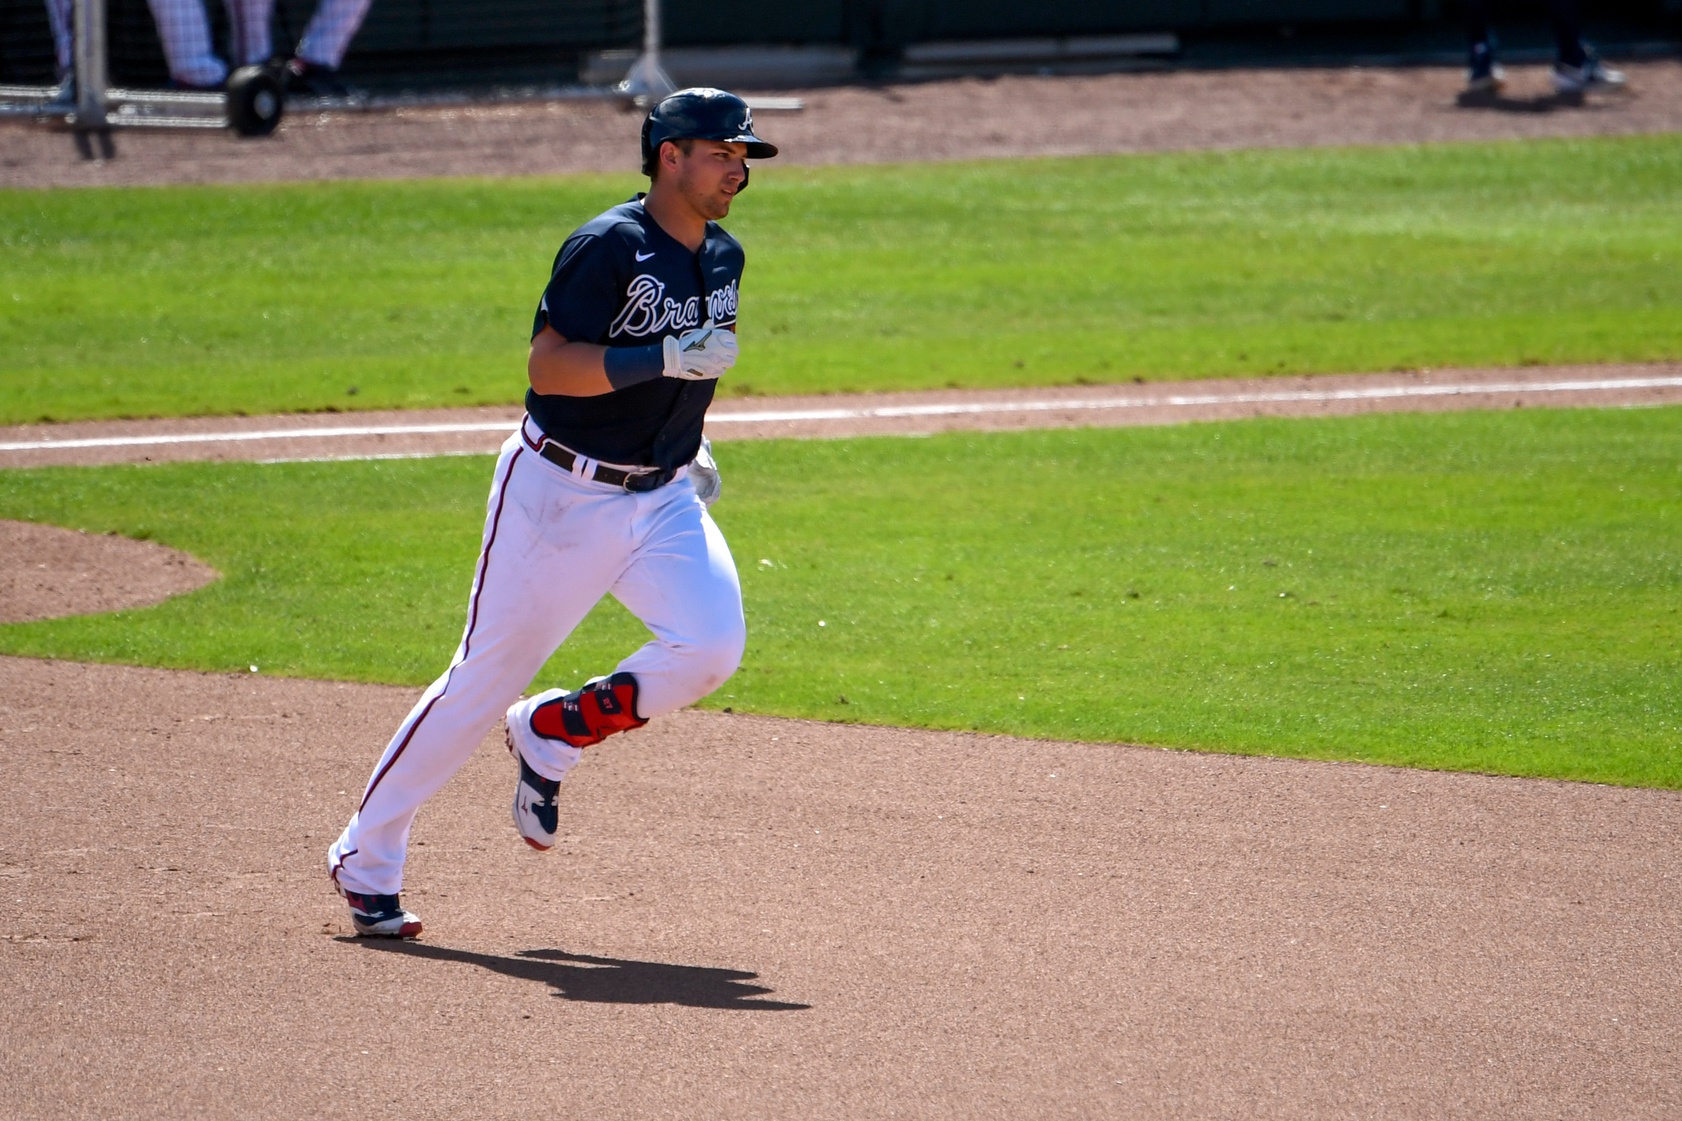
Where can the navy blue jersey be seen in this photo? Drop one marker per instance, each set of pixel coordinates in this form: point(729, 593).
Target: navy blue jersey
point(621, 280)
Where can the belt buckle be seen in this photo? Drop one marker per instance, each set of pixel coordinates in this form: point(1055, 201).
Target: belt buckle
point(645, 481)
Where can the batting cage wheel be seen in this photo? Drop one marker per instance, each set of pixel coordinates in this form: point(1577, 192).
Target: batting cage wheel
point(256, 100)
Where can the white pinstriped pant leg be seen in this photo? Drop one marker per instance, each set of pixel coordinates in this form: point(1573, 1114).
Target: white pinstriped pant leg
point(184, 31)
point(59, 18)
point(330, 31)
point(250, 38)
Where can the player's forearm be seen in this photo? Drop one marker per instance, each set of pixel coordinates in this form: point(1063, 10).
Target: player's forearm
point(567, 369)
point(557, 367)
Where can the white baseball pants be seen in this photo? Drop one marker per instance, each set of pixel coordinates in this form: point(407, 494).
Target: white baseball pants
point(553, 546)
point(60, 19)
point(330, 31)
point(184, 31)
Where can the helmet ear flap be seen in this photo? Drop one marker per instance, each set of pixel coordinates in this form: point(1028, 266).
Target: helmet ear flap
point(746, 172)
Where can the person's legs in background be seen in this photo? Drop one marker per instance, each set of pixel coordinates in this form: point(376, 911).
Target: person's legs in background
point(184, 31)
point(1483, 72)
point(314, 68)
point(250, 38)
point(1568, 31)
point(59, 18)
point(1576, 67)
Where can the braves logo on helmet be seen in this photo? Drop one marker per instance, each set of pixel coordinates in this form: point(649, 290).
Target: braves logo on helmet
point(701, 114)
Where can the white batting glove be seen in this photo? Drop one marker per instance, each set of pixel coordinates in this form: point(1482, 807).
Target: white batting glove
point(700, 355)
point(703, 472)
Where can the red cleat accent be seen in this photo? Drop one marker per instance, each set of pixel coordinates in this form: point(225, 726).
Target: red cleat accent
point(591, 714)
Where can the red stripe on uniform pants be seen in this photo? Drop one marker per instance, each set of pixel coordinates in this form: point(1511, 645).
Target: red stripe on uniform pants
point(467, 639)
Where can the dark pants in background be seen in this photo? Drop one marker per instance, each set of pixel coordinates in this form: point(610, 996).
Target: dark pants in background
point(1567, 21)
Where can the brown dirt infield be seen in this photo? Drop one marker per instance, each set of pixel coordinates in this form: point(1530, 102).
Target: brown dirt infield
point(47, 572)
point(752, 917)
point(967, 119)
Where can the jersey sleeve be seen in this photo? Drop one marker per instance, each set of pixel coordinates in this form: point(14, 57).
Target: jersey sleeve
point(582, 296)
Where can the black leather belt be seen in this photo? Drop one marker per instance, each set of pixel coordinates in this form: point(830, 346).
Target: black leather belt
point(636, 481)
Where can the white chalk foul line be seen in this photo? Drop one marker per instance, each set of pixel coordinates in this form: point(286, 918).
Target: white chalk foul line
point(269, 434)
point(974, 408)
point(1378, 393)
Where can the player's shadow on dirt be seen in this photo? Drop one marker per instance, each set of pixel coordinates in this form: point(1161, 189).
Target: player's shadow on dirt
point(1540, 103)
point(610, 980)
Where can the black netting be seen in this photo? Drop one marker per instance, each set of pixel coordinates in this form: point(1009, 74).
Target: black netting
point(26, 44)
point(414, 42)
point(421, 43)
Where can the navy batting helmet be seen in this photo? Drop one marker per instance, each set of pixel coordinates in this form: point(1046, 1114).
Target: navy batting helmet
point(700, 114)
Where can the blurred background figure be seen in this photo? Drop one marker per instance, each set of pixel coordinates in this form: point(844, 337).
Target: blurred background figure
point(184, 31)
point(313, 67)
point(1576, 68)
point(58, 18)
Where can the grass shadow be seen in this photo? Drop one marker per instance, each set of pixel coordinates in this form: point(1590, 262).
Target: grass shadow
point(599, 980)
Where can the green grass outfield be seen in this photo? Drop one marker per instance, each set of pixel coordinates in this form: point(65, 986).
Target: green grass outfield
point(1485, 591)
point(189, 300)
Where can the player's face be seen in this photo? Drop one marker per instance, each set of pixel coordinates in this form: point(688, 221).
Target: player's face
point(710, 174)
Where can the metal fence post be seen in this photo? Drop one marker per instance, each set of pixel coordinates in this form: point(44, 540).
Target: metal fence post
point(647, 80)
point(92, 76)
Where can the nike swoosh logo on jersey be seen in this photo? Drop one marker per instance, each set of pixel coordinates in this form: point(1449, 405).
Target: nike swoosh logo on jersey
point(645, 256)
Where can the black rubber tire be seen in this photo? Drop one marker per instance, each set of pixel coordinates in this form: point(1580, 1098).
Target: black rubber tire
point(256, 100)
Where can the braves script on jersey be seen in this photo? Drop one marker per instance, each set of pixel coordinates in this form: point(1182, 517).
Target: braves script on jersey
point(620, 280)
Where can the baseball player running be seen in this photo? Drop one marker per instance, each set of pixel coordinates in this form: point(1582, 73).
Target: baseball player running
point(604, 489)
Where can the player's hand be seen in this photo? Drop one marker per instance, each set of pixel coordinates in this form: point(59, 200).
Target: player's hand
point(700, 355)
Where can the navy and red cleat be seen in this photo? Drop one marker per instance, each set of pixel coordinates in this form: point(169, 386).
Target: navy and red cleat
point(537, 810)
point(556, 727)
point(380, 916)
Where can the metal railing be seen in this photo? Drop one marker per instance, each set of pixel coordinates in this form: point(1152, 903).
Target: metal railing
point(88, 102)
